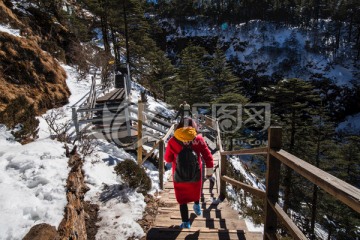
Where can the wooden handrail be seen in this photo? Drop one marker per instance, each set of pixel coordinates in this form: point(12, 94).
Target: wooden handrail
point(161, 145)
point(151, 151)
point(341, 190)
point(219, 143)
point(246, 187)
point(170, 131)
point(286, 220)
point(210, 122)
point(250, 151)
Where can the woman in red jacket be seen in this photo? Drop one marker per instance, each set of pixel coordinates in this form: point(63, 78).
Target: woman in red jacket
point(188, 191)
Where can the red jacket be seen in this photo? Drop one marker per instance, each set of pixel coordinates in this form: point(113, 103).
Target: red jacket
point(188, 192)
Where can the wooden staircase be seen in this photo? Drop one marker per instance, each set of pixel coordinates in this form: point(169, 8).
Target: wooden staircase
point(218, 221)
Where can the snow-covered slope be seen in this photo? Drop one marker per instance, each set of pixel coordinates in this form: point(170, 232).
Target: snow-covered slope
point(277, 49)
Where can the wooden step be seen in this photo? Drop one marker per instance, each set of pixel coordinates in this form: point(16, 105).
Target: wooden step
point(161, 233)
point(217, 221)
point(166, 220)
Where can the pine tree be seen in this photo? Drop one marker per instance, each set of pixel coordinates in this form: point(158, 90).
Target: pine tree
point(292, 101)
point(191, 85)
point(220, 75)
point(318, 150)
point(162, 74)
point(231, 98)
point(349, 164)
point(338, 220)
point(100, 9)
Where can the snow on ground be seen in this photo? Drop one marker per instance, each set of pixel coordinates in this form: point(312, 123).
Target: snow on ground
point(9, 30)
point(32, 182)
point(38, 171)
point(237, 164)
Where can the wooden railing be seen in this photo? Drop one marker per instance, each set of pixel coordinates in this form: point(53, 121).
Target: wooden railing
point(87, 101)
point(339, 189)
point(160, 145)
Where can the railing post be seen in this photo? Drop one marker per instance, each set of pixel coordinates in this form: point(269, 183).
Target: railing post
point(139, 133)
point(161, 164)
point(272, 183)
point(223, 159)
point(75, 120)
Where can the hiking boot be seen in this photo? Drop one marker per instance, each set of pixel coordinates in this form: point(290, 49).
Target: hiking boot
point(197, 209)
point(185, 225)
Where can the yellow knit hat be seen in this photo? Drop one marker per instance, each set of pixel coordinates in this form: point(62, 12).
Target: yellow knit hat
point(185, 134)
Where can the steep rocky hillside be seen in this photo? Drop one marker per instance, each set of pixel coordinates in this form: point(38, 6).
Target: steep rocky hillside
point(25, 68)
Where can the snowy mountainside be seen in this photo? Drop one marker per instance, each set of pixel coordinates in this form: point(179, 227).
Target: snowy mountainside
point(273, 49)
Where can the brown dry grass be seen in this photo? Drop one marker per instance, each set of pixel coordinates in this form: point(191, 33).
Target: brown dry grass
point(8, 17)
point(27, 69)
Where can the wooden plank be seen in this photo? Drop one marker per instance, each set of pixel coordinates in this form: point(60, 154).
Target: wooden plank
point(151, 152)
point(222, 184)
point(121, 95)
point(107, 96)
point(153, 118)
point(252, 151)
point(140, 129)
point(199, 218)
point(246, 187)
point(341, 190)
point(115, 96)
point(286, 220)
point(218, 132)
point(204, 195)
point(109, 108)
point(161, 164)
point(200, 234)
point(202, 229)
point(171, 209)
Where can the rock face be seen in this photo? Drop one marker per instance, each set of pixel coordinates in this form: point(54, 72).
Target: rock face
point(42, 232)
point(73, 225)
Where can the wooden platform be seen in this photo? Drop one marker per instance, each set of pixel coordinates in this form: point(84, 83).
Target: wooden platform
point(218, 221)
point(116, 95)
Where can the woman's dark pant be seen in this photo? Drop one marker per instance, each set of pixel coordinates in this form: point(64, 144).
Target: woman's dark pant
point(184, 211)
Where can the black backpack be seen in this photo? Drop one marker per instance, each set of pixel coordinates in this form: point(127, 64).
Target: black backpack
point(187, 165)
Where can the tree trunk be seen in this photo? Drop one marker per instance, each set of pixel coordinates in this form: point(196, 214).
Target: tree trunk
point(313, 212)
point(104, 30)
point(358, 44)
point(115, 47)
point(287, 192)
point(126, 35)
point(329, 233)
point(350, 27)
point(338, 34)
point(315, 189)
point(288, 171)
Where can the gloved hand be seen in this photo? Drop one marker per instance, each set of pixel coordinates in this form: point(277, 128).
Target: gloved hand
point(209, 172)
